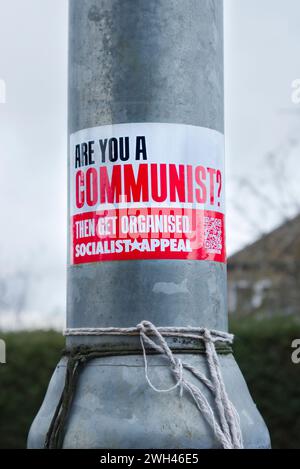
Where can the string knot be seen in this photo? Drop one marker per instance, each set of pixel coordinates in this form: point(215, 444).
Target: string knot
point(207, 337)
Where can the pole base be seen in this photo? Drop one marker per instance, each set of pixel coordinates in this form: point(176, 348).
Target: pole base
point(114, 407)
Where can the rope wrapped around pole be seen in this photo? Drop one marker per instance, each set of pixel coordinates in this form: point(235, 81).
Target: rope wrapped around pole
point(224, 422)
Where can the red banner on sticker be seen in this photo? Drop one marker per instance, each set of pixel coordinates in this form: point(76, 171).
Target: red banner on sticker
point(148, 233)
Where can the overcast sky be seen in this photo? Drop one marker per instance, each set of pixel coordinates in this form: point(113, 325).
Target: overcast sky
point(262, 43)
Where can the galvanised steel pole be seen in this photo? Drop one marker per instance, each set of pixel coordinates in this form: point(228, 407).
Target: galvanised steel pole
point(152, 68)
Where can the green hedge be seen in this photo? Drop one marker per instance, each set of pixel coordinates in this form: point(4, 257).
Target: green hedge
point(262, 349)
point(31, 358)
point(263, 352)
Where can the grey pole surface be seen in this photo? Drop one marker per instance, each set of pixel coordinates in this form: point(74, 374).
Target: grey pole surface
point(152, 61)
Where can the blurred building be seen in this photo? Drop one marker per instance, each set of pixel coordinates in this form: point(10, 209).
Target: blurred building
point(264, 278)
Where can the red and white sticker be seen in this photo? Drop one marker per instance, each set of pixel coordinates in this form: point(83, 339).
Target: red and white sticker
point(147, 191)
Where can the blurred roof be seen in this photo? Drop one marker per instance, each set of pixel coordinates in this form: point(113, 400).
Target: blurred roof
point(279, 246)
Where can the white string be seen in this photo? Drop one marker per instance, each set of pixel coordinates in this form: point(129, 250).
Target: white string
point(226, 425)
point(179, 382)
point(189, 332)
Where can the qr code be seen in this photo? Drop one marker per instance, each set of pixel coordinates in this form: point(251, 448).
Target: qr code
point(213, 239)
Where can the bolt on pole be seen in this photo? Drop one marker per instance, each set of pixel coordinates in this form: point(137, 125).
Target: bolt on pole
point(146, 218)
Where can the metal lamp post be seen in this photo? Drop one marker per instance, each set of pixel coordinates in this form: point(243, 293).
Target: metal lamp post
point(134, 63)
